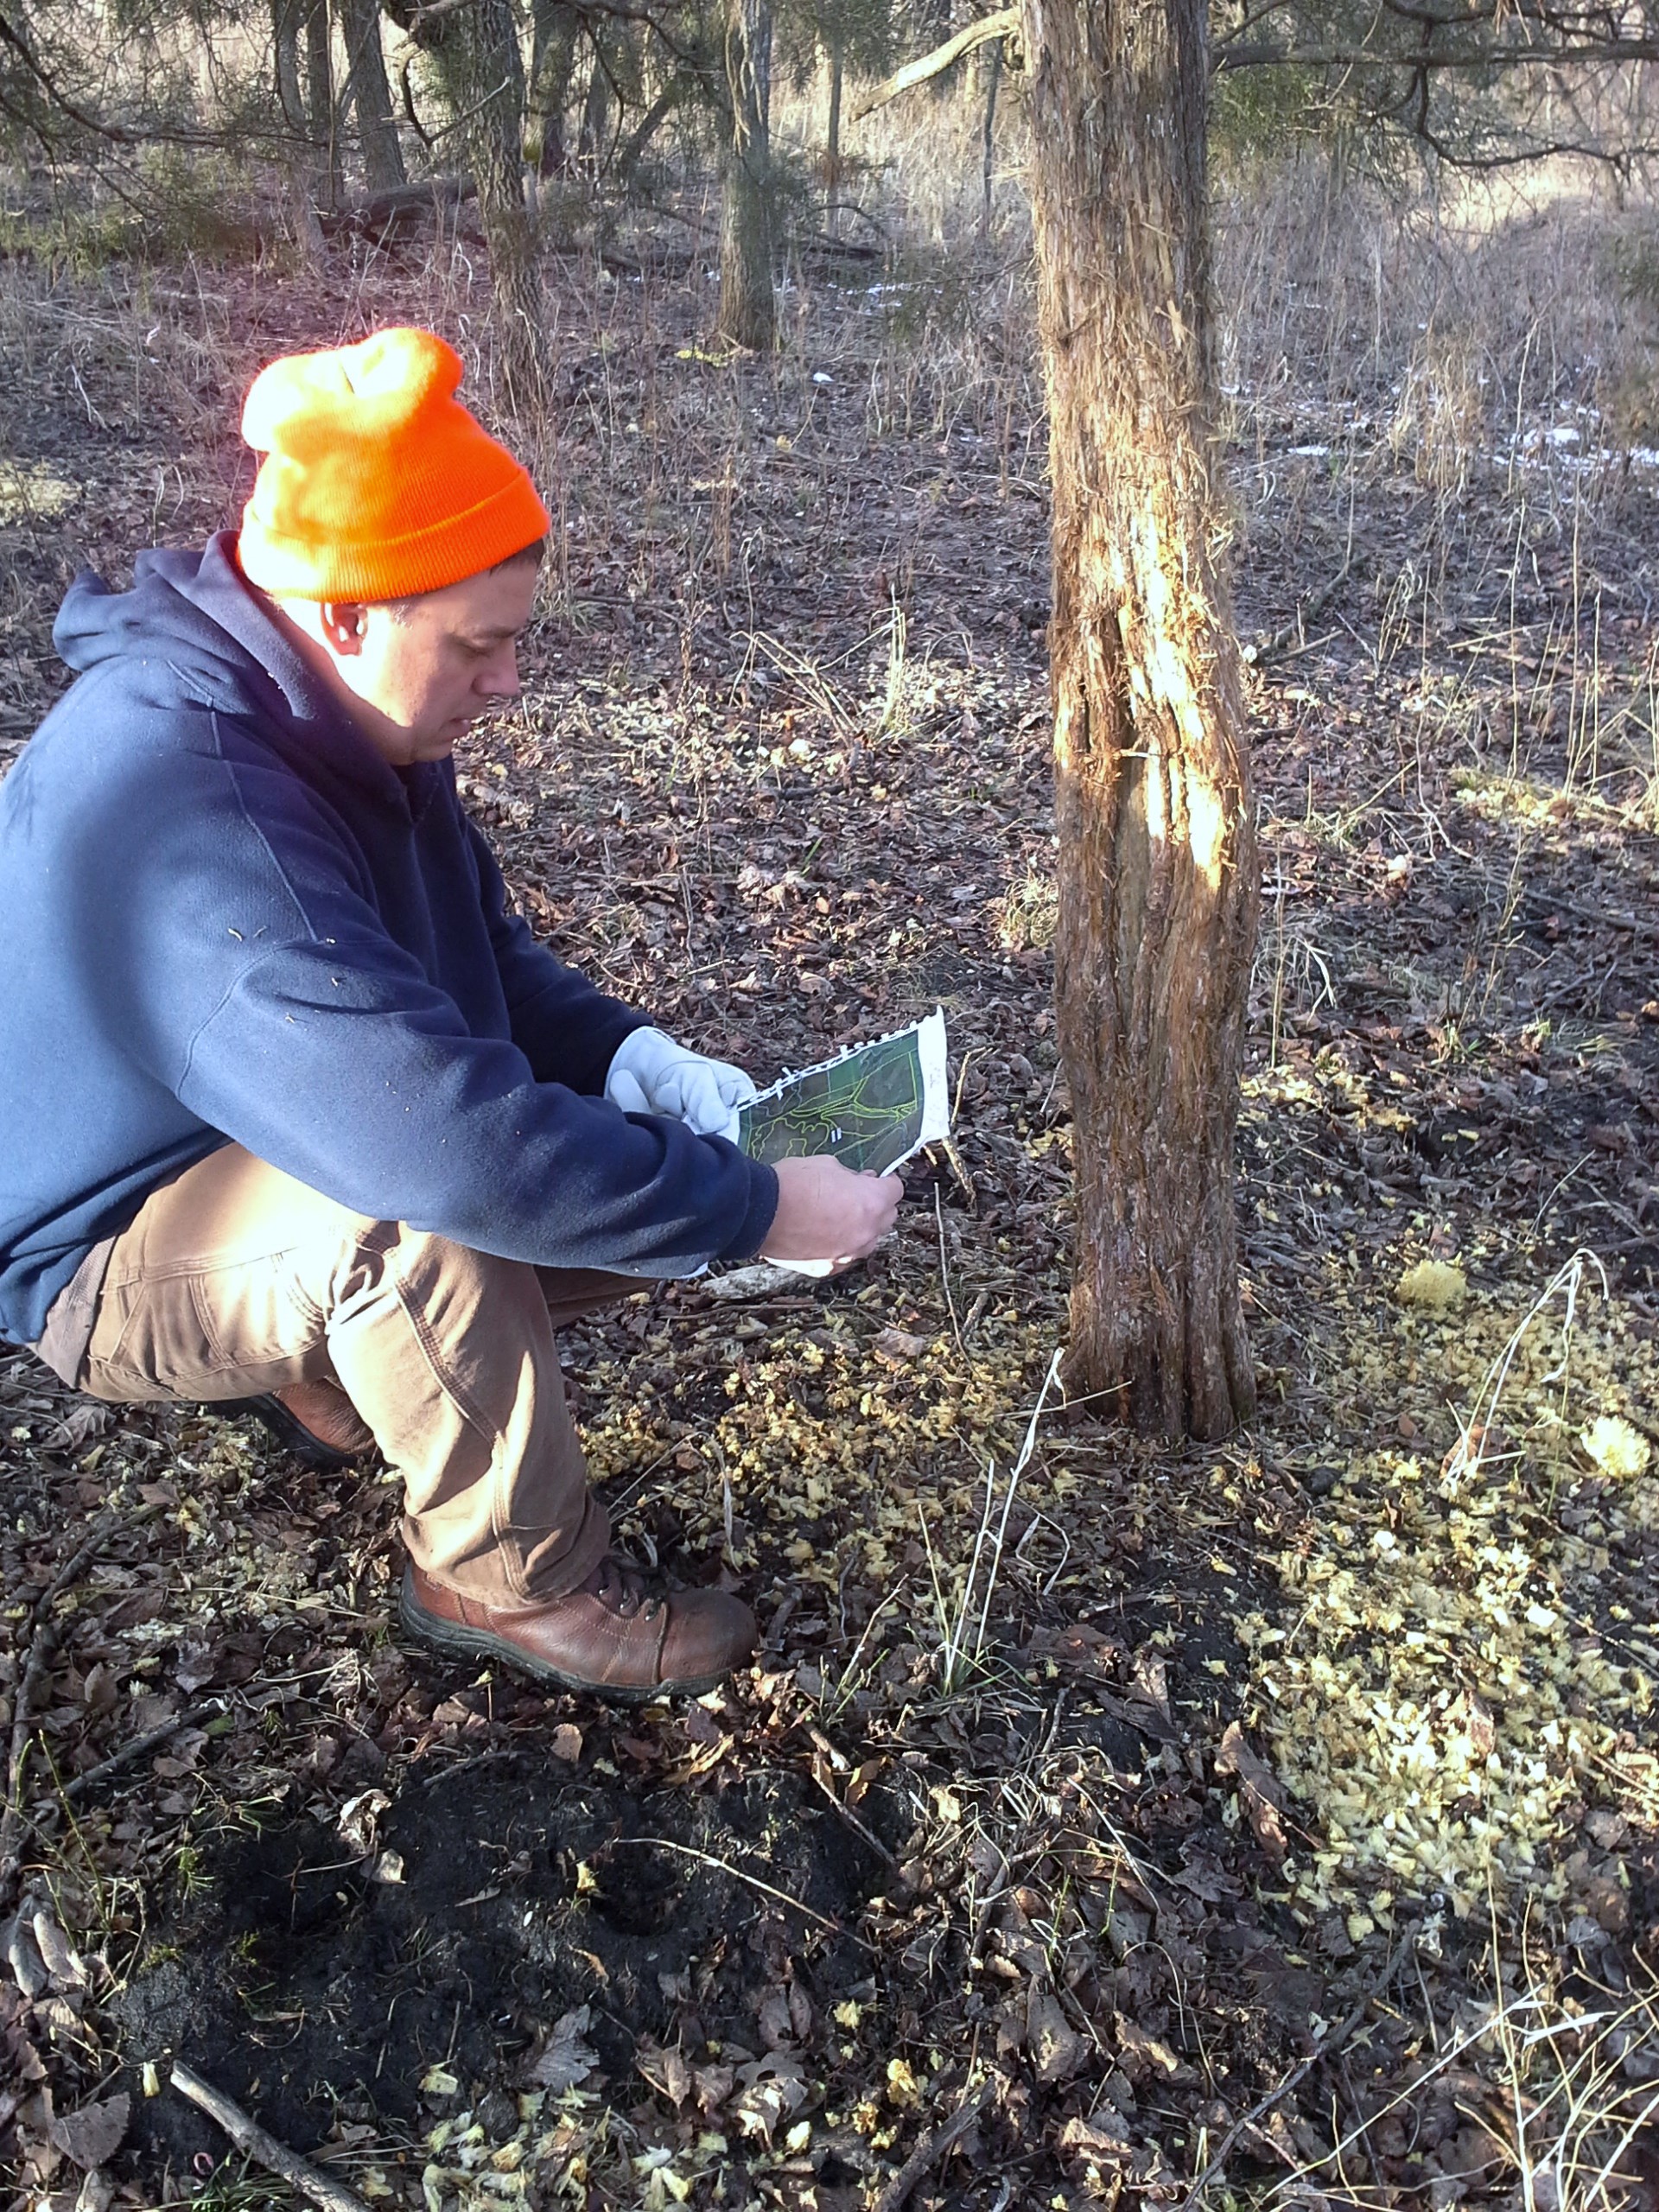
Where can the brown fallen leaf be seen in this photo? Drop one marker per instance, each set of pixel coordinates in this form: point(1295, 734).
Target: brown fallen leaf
point(1088, 1650)
point(1145, 2051)
point(898, 1347)
point(567, 2059)
point(1099, 2139)
point(1259, 1788)
point(1056, 2049)
point(92, 2136)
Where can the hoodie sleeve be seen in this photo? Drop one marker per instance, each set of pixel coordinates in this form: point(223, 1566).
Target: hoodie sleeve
point(229, 937)
point(567, 1029)
point(342, 1066)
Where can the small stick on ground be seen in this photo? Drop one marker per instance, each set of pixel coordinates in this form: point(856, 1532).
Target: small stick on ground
point(264, 2149)
point(928, 2154)
point(41, 1643)
point(1259, 2111)
point(134, 1748)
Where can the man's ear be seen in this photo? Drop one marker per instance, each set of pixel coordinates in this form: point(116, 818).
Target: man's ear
point(345, 622)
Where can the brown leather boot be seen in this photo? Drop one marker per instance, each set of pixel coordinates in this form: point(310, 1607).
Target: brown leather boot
point(614, 1636)
point(316, 1421)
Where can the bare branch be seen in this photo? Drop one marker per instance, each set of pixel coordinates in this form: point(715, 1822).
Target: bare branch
point(1003, 24)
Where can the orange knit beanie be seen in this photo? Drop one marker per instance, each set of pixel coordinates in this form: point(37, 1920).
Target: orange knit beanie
point(376, 483)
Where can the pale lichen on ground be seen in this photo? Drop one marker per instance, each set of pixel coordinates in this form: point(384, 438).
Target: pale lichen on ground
point(1449, 1677)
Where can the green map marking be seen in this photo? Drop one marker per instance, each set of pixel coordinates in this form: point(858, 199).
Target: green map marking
point(870, 1108)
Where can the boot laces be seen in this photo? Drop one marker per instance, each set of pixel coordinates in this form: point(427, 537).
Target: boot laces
point(625, 1591)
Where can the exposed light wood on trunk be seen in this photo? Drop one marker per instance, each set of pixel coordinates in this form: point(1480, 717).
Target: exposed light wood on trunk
point(1157, 870)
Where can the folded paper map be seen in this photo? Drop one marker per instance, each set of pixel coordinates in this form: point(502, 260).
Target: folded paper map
point(872, 1106)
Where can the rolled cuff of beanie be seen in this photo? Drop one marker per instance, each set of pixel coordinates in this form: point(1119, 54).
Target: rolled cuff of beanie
point(439, 554)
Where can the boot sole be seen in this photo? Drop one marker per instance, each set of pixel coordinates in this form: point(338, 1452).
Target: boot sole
point(458, 1642)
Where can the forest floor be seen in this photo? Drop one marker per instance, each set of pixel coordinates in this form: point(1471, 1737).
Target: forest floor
point(1277, 1820)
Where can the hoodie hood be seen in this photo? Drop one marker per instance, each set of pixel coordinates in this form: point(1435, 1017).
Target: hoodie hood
point(219, 638)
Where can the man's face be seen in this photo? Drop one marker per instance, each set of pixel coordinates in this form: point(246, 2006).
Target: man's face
point(420, 675)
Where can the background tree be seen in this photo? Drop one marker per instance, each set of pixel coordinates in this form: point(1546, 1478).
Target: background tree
point(370, 95)
point(554, 29)
point(747, 310)
point(473, 46)
point(846, 37)
point(1471, 83)
point(1157, 876)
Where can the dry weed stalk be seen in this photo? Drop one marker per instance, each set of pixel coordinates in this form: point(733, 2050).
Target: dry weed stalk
point(963, 1639)
point(1561, 2090)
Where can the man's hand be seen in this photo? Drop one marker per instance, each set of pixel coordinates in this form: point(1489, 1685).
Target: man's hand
point(651, 1074)
point(827, 1216)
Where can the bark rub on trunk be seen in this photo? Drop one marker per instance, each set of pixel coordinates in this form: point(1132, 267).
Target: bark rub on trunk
point(1157, 860)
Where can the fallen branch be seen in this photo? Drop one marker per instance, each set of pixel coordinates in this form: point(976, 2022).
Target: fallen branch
point(1003, 24)
point(264, 2149)
point(928, 2154)
point(399, 206)
point(1309, 611)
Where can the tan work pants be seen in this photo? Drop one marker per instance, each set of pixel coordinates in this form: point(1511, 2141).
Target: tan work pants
point(235, 1279)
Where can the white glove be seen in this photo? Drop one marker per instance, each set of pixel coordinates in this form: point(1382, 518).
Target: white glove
point(651, 1074)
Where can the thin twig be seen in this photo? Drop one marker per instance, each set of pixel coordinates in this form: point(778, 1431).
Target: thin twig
point(43, 1642)
point(79, 1784)
point(866, 1834)
point(1298, 2073)
point(262, 2148)
point(944, 1273)
point(929, 2153)
point(725, 1867)
point(1309, 611)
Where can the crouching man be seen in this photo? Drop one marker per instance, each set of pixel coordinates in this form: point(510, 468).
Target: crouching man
point(293, 1110)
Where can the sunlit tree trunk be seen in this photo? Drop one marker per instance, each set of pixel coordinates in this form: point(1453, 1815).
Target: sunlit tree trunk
point(1157, 858)
point(377, 134)
point(748, 312)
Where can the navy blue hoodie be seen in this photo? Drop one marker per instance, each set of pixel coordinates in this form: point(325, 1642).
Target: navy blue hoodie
point(223, 914)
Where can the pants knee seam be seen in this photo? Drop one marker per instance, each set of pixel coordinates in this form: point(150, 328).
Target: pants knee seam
point(489, 1430)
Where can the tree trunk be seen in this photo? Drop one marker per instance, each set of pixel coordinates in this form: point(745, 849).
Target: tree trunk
point(595, 117)
point(994, 81)
point(474, 47)
point(1157, 867)
point(320, 98)
point(552, 54)
point(747, 311)
point(370, 95)
point(832, 140)
point(286, 16)
point(632, 149)
point(287, 19)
